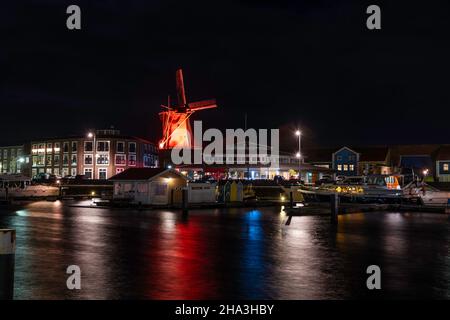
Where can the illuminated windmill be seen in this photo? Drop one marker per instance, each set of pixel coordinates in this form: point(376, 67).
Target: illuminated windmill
point(175, 119)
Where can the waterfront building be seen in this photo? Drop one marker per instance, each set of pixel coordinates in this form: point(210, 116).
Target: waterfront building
point(345, 161)
point(251, 167)
point(374, 160)
point(159, 186)
point(352, 161)
point(443, 164)
point(418, 159)
point(95, 155)
point(14, 159)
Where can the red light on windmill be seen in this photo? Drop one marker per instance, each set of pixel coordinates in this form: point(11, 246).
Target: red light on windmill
point(175, 120)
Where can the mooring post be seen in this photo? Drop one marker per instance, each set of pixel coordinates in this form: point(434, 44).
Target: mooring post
point(7, 257)
point(291, 199)
point(185, 200)
point(334, 203)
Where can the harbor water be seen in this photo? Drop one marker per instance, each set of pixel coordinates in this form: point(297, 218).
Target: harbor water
point(238, 253)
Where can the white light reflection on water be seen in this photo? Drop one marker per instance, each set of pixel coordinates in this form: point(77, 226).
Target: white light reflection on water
point(226, 253)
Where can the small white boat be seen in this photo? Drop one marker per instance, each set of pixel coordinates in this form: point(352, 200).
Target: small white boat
point(426, 194)
point(17, 186)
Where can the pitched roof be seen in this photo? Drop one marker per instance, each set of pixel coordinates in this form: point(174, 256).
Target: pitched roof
point(443, 153)
point(366, 154)
point(372, 153)
point(138, 174)
point(400, 151)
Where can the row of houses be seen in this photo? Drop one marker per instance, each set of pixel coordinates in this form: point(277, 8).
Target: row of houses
point(102, 154)
point(432, 160)
point(99, 154)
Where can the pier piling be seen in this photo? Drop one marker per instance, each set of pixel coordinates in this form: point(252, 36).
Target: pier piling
point(7, 259)
point(334, 203)
point(185, 200)
point(291, 199)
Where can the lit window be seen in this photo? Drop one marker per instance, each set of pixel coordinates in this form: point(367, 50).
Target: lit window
point(132, 160)
point(148, 161)
point(121, 160)
point(88, 173)
point(88, 159)
point(352, 167)
point(102, 175)
point(120, 146)
point(132, 147)
point(339, 167)
point(65, 172)
point(88, 146)
point(445, 167)
point(103, 146)
point(103, 159)
point(119, 170)
point(345, 167)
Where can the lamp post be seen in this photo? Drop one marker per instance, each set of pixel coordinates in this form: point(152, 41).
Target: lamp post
point(299, 155)
point(93, 136)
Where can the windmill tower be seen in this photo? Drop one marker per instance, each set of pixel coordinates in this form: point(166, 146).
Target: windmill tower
point(176, 127)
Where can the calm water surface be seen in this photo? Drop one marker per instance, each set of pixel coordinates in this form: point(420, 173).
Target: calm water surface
point(229, 254)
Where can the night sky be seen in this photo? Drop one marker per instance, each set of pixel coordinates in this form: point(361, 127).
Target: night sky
point(312, 64)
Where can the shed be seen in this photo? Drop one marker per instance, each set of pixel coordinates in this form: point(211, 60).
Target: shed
point(156, 186)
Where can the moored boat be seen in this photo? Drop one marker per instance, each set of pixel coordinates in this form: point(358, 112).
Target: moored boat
point(16, 186)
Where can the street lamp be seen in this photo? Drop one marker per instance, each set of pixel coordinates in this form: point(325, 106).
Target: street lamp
point(92, 135)
point(299, 154)
point(425, 173)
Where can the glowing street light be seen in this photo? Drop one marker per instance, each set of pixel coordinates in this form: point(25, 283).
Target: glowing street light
point(92, 135)
point(425, 173)
point(299, 154)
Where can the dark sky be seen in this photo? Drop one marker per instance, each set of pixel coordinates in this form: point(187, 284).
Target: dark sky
point(285, 63)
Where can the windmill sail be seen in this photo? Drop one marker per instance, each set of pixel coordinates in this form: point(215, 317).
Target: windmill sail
point(175, 120)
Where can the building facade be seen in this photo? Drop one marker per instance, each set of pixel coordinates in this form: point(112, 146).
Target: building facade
point(443, 164)
point(345, 162)
point(352, 161)
point(14, 159)
point(98, 155)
